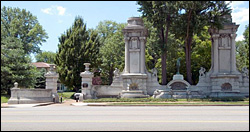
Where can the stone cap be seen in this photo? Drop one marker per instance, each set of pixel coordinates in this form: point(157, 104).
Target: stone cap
point(135, 23)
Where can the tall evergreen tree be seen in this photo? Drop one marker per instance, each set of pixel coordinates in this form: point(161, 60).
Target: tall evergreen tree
point(76, 47)
point(15, 66)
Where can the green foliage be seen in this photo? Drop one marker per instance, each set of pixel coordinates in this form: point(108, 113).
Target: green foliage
point(160, 14)
point(242, 51)
point(194, 15)
point(76, 47)
point(46, 56)
point(22, 25)
point(15, 65)
point(130, 100)
point(21, 34)
point(41, 80)
point(112, 49)
point(5, 98)
point(67, 95)
point(228, 99)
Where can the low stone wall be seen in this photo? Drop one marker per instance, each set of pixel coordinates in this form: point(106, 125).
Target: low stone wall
point(106, 91)
point(29, 96)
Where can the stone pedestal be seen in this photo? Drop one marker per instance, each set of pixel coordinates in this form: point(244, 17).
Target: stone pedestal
point(86, 82)
point(224, 78)
point(134, 77)
point(178, 77)
point(51, 82)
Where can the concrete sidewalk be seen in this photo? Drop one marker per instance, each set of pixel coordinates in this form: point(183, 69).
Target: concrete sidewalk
point(6, 105)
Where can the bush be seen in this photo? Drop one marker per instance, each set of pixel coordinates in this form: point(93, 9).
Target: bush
point(130, 100)
point(228, 99)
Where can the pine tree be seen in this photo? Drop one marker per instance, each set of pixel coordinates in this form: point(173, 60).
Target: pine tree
point(76, 47)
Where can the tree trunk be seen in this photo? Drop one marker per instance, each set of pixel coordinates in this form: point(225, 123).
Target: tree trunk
point(111, 74)
point(164, 53)
point(163, 59)
point(163, 67)
point(188, 59)
point(188, 42)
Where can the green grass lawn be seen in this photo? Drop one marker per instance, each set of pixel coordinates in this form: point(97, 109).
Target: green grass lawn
point(4, 98)
point(152, 101)
point(67, 95)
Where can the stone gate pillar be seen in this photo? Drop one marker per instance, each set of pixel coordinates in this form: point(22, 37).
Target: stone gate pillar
point(51, 82)
point(223, 74)
point(86, 82)
point(134, 77)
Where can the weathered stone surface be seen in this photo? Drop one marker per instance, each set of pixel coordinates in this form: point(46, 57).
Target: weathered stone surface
point(28, 96)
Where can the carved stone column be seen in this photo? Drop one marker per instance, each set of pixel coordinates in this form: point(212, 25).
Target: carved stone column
point(233, 54)
point(142, 40)
point(86, 81)
point(215, 55)
point(126, 55)
point(51, 82)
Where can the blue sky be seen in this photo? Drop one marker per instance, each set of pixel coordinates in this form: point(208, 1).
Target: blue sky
point(57, 16)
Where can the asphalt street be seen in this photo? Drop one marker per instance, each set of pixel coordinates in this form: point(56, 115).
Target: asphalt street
point(126, 118)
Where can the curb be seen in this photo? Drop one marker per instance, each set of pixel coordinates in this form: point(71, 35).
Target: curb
point(89, 104)
point(25, 105)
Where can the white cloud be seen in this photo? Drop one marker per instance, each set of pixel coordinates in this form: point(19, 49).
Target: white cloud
point(61, 10)
point(241, 16)
point(54, 10)
point(47, 11)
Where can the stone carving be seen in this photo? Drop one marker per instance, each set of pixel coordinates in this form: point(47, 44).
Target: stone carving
point(178, 86)
point(245, 72)
point(202, 72)
point(178, 65)
point(134, 43)
point(154, 71)
point(224, 40)
point(226, 87)
point(116, 73)
point(133, 86)
point(128, 85)
point(156, 92)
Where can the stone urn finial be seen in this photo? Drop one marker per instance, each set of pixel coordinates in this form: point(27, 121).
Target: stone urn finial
point(15, 85)
point(87, 66)
point(52, 67)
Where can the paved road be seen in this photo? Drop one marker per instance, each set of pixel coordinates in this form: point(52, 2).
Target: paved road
point(117, 118)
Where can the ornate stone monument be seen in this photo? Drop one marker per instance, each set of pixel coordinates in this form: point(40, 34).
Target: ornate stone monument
point(177, 88)
point(134, 77)
point(223, 78)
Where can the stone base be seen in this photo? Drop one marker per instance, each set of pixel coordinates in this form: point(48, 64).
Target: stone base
point(224, 94)
point(178, 77)
point(133, 94)
point(29, 100)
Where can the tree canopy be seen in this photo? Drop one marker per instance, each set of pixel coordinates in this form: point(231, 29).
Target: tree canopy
point(21, 34)
point(76, 47)
point(21, 24)
point(46, 56)
point(112, 49)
